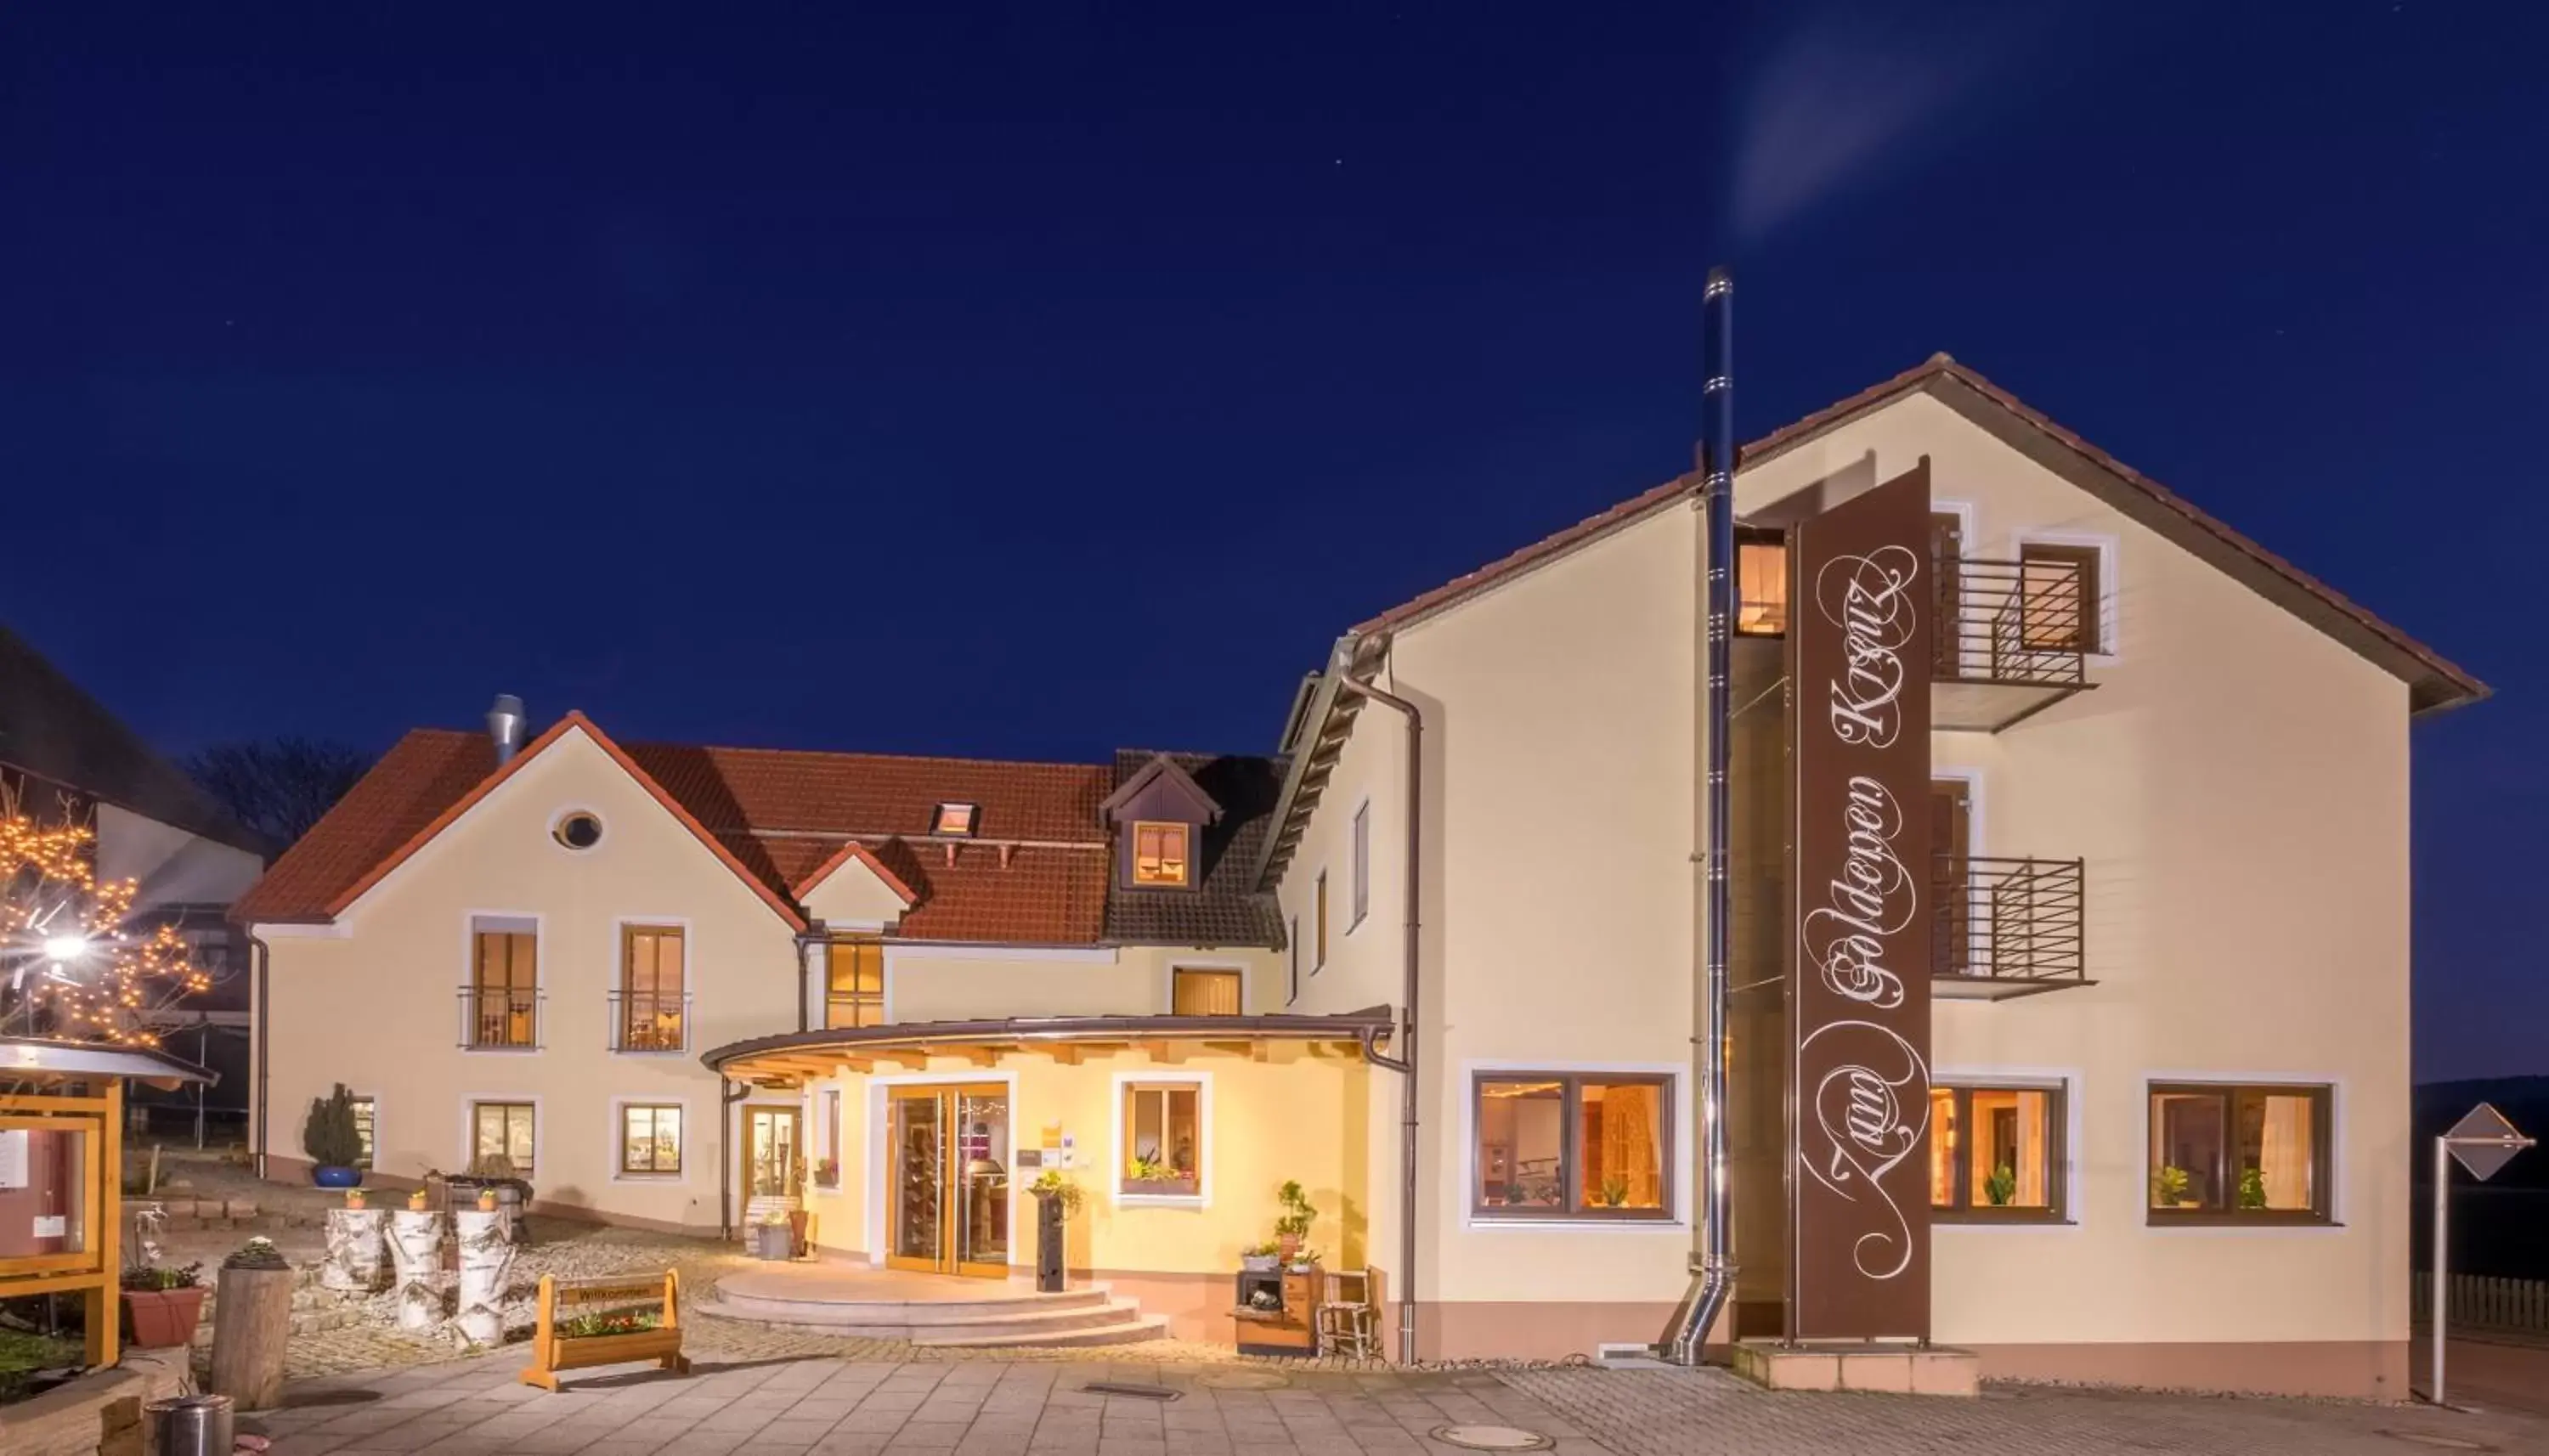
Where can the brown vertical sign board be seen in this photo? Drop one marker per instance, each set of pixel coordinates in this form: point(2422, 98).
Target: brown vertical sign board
point(1859, 1123)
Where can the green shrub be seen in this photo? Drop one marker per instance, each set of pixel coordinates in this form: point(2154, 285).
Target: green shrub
point(329, 1136)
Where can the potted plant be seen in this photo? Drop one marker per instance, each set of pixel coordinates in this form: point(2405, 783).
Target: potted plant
point(354, 1199)
point(2001, 1187)
point(2252, 1188)
point(772, 1236)
point(1157, 1177)
point(1614, 1192)
point(1261, 1258)
point(2170, 1187)
point(418, 1201)
point(828, 1173)
point(486, 1200)
point(332, 1141)
point(1294, 1224)
point(163, 1304)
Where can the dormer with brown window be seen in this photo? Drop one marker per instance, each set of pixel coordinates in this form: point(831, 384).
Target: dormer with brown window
point(1159, 816)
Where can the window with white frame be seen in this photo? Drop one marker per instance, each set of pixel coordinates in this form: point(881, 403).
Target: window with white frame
point(1361, 864)
point(1160, 1137)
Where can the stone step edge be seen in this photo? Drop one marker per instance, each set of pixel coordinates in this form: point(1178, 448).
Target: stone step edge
point(1136, 1330)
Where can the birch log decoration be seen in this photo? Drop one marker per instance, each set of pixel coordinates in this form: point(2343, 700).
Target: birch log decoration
point(358, 1258)
point(486, 1269)
point(416, 1246)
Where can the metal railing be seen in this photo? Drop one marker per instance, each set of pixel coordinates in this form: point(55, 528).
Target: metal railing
point(2010, 920)
point(650, 1021)
point(2519, 1306)
point(499, 1018)
point(2014, 622)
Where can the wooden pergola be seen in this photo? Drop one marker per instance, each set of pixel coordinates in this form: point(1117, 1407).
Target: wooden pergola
point(67, 1099)
point(797, 1057)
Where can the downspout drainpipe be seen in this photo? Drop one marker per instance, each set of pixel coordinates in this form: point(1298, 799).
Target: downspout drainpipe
point(1405, 1061)
point(265, 1060)
point(730, 1093)
point(1715, 1265)
point(811, 937)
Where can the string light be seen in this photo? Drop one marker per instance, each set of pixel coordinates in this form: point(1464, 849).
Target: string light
point(73, 963)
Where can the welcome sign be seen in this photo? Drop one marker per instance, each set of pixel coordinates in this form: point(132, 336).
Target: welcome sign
point(1859, 974)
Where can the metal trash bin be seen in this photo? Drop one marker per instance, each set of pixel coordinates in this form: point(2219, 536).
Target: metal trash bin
point(191, 1425)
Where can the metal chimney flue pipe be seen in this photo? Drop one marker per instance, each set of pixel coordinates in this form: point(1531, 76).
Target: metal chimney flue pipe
point(505, 723)
point(1715, 1263)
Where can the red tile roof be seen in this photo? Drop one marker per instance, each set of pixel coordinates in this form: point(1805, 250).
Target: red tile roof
point(778, 818)
point(2435, 680)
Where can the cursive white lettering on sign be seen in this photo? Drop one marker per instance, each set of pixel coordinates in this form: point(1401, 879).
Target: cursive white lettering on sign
point(1872, 1106)
point(1873, 900)
point(1869, 598)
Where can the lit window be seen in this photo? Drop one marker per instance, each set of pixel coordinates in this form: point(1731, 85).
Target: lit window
point(366, 1119)
point(2059, 588)
point(1553, 1145)
point(652, 996)
point(650, 1139)
point(1205, 992)
point(955, 820)
point(854, 984)
point(1996, 1152)
point(505, 1138)
point(1159, 852)
point(503, 998)
point(1760, 584)
point(2238, 1154)
point(1162, 1142)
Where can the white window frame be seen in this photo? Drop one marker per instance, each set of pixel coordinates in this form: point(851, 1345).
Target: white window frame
point(618, 1134)
point(1361, 887)
point(2070, 1084)
point(1169, 980)
point(539, 1124)
point(539, 979)
point(1118, 1150)
point(1678, 1075)
point(374, 1098)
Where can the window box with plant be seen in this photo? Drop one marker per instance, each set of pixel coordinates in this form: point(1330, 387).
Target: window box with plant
point(1163, 1141)
point(162, 1305)
point(334, 1139)
point(2240, 1154)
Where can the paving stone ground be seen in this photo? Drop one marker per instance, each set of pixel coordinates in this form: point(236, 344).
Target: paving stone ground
point(1008, 1407)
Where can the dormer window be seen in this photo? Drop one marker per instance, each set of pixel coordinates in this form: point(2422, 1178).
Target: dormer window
point(956, 820)
point(1159, 852)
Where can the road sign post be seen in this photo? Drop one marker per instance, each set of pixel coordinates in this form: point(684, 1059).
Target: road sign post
point(2483, 1142)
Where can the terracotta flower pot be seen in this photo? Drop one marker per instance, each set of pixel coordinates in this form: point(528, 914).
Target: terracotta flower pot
point(163, 1319)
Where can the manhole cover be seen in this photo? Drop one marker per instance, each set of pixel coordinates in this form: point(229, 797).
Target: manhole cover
point(309, 1399)
point(2439, 1443)
point(1491, 1437)
point(1145, 1391)
point(1244, 1380)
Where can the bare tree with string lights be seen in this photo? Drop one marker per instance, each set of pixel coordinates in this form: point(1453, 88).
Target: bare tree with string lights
point(70, 967)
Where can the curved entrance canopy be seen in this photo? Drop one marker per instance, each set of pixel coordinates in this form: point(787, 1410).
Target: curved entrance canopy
point(790, 1060)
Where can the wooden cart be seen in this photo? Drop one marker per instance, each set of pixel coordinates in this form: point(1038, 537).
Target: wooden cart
point(605, 1320)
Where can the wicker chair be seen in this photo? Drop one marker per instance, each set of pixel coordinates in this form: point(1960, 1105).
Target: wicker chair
point(1345, 1318)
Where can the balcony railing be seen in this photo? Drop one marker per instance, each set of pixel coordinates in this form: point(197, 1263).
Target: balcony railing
point(500, 1018)
point(650, 1021)
point(2003, 928)
point(2012, 640)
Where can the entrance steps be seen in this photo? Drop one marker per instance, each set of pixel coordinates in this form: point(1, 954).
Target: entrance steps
point(944, 1313)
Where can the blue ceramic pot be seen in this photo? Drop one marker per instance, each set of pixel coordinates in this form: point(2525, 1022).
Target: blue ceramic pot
point(327, 1176)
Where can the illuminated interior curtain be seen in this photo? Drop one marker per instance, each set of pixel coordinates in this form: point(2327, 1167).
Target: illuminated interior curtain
point(2285, 1154)
point(2033, 1156)
point(1942, 1148)
point(1629, 1147)
point(1207, 994)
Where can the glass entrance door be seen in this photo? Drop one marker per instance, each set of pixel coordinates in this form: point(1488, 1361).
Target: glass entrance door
point(946, 1152)
point(770, 1152)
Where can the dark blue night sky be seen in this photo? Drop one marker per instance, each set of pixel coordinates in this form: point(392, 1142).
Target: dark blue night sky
point(814, 375)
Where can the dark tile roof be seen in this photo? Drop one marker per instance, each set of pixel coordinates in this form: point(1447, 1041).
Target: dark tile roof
point(50, 728)
point(777, 816)
point(1225, 908)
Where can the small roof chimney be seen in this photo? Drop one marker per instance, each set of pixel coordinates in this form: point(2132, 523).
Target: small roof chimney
point(504, 722)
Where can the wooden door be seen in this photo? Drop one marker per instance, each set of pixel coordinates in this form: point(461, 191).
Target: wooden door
point(1950, 875)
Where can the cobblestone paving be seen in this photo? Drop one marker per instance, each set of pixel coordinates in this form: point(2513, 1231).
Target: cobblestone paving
point(1709, 1413)
point(837, 1408)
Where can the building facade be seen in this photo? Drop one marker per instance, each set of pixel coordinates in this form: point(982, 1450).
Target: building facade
point(2161, 1114)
